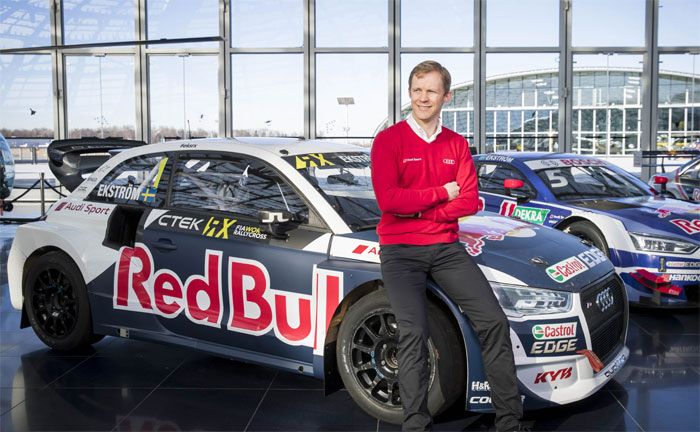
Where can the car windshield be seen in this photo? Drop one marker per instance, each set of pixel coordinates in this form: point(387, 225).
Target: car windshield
point(583, 182)
point(344, 180)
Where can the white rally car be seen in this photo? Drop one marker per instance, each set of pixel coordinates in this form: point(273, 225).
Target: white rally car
point(265, 250)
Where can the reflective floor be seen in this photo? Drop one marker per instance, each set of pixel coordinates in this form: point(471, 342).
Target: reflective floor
point(123, 385)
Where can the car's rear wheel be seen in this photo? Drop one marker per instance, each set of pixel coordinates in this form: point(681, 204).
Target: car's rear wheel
point(367, 358)
point(56, 301)
point(589, 234)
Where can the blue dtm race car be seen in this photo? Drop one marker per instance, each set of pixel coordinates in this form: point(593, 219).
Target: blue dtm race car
point(265, 250)
point(652, 241)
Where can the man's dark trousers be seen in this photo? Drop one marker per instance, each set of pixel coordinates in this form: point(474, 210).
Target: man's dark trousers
point(405, 269)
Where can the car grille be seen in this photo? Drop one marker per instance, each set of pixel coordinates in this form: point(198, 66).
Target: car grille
point(605, 308)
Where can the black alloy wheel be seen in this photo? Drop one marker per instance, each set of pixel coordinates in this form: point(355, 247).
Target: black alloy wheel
point(366, 355)
point(56, 302)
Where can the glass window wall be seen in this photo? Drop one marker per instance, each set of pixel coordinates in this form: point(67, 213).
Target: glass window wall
point(89, 21)
point(359, 23)
point(24, 24)
point(678, 124)
point(507, 21)
point(100, 96)
point(351, 94)
point(268, 95)
point(455, 15)
point(184, 97)
point(179, 19)
point(526, 84)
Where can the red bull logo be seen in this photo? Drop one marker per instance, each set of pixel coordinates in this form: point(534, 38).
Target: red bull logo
point(255, 308)
point(689, 226)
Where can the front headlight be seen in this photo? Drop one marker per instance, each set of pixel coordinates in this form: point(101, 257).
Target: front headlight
point(649, 243)
point(518, 301)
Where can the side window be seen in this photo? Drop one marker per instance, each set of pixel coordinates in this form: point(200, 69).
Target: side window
point(136, 181)
point(692, 172)
point(236, 185)
point(492, 175)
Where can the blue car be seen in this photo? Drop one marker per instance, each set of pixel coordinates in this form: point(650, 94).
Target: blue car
point(652, 241)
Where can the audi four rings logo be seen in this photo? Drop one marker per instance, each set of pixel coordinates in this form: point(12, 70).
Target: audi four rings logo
point(604, 299)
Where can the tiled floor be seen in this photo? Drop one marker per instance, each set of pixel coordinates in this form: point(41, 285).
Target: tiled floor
point(123, 385)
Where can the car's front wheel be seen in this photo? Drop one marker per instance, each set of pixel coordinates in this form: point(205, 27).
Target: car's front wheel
point(367, 358)
point(56, 301)
point(589, 234)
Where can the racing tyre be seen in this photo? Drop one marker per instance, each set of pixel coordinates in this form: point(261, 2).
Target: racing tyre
point(366, 356)
point(589, 234)
point(56, 301)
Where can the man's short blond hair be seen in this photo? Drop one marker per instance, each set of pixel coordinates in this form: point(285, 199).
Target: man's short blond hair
point(427, 66)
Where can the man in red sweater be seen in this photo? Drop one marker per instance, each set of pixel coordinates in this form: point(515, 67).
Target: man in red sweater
point(424, 180)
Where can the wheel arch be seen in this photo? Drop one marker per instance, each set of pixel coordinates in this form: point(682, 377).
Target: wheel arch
point(332, 380)
point(43, 250)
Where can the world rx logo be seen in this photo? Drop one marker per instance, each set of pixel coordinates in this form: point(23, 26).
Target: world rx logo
point(312, 160)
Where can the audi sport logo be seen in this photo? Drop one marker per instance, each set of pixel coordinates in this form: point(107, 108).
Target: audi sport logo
point(604, 299)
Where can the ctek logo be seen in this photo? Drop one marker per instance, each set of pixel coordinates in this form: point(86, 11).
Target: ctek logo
point(554, 331)
point(312, 160)
point(566, 269)
point(552, 376)
point(364, 249)
point(689, 226)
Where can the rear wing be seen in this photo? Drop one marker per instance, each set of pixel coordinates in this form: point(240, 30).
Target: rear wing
point(659, 158)
point(72, 159)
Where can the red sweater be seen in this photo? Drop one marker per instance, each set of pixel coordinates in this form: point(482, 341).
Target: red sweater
point(408, 175)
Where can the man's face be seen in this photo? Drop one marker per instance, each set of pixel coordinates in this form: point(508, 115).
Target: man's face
point(427, 96)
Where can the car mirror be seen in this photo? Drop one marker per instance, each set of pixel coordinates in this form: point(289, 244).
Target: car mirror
point(512, 187)
point(280, 222)
point(661, 181)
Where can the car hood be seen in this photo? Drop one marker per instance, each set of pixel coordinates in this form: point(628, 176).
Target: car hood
point(649, 214)
point(508, 251)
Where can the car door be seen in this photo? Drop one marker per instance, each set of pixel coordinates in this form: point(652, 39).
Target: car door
point(491, 176)
point(229, 278)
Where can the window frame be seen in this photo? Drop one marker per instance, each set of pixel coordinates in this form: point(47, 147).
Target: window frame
point(177, 155)
point(166, 179)
point(526, 181)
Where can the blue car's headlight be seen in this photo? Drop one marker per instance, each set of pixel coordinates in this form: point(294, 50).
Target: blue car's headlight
point(518, 301)
point(649, 243)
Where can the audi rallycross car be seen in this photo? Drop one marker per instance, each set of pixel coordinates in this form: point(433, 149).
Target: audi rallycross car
point(652, 241)
point(265, 250)
point(683, 183)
